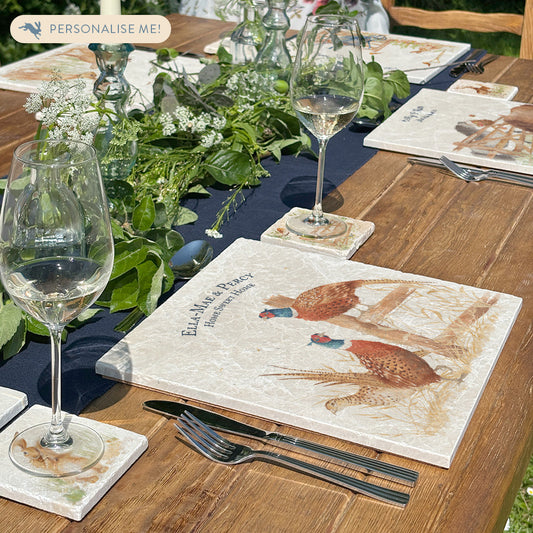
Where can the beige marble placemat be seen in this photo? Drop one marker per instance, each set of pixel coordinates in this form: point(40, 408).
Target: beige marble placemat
point(410, 358)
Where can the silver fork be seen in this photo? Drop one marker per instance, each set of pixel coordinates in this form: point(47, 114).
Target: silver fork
point(221, 450)
point(479, 68)
point(468, 174)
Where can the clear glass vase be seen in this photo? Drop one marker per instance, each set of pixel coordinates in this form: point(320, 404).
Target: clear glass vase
point(116, 159)
point(248, 36)
point(274, 57)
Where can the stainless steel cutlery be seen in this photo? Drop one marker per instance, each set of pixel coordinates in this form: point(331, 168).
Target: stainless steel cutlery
point(221, 450)
point(358, 462)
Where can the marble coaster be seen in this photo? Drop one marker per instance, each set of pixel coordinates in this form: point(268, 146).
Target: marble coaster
point(343, 246)
point(484, 88)
point(12, 402)
point(71, 496)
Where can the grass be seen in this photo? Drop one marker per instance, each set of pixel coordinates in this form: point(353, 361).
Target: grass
point(521, 517)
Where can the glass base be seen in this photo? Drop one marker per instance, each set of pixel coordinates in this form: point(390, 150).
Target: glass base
point(325, 227)
point(28, 453)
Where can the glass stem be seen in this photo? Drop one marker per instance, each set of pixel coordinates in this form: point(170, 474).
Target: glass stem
point(57, 435)
point(318, 215)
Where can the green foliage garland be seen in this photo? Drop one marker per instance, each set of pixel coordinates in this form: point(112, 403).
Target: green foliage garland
point(209, 129)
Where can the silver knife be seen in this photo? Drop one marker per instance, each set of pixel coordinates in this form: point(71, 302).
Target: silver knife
point(472, 58)
point(358, 462)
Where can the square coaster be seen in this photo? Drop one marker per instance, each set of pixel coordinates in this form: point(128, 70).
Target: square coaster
point(343, 246)
point(12, 402)
point(71, 496)
point(484, 88)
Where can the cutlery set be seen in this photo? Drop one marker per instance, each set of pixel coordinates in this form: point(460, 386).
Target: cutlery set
point(197, 426)
point(472, 173)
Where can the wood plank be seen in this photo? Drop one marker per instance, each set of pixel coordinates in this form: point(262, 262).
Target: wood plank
point(465, 20)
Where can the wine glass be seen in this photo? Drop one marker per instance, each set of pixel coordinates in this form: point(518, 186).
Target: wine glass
point(326, 89)
point(56, 256)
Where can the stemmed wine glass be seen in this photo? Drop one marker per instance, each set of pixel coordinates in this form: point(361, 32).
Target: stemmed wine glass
point(56, 256)
point(326, 89)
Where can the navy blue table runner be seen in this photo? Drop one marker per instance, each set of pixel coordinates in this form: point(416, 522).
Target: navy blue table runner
point(292, 183)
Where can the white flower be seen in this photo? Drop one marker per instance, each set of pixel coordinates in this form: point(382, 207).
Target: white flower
point(529, 490)
point(183, 117)
point(65, 109)
point(168, 125)
point(218, 122)
point(211, 138)
point(213, 233)
point(34, 103)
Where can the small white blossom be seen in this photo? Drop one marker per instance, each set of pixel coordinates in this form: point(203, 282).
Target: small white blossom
point(168, 125)
point(529, 490)
point(213, 233)
point(211, 138)
point(65, 109)
point(218, 122)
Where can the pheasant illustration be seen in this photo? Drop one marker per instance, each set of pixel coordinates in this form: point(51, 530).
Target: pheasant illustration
point(395, 366)
point(393, 373)
point(326, 301)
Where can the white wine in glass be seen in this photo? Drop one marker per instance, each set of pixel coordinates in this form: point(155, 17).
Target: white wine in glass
point(56, 257)
point(326, 90)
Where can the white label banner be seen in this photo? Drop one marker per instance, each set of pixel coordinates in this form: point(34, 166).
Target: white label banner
point(90, 29)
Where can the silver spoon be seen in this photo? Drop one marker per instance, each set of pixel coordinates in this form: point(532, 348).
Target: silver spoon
point(191, 258)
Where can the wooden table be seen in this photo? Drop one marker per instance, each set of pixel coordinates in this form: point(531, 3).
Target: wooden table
point(426, 223)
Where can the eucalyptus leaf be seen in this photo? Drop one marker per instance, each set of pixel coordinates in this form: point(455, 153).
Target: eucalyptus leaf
point(209, 73)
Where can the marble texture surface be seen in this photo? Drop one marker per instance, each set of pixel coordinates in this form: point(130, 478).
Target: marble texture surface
point(76, 61)
point(344, 246)
point(421, 59)
point(12, 402)
point(208, 342)
point(72, 496)
point(487, 132)
point(484, 88)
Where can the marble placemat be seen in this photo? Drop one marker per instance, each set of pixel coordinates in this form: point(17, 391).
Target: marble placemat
point(343, 246)
point(488, 132)
point(388, 359)
point(71, 496)
point(12, 402)
point(76, 61)
point(421, 59)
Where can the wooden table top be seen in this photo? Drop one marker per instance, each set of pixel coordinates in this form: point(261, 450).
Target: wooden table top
point(426, 223)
